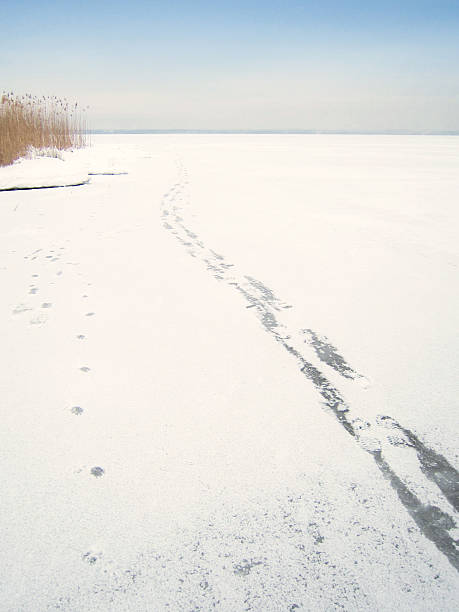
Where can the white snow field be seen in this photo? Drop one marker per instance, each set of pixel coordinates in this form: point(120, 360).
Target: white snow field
point(229, 376)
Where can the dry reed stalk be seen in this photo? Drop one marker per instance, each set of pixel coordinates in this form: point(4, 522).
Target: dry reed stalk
point(28, 122)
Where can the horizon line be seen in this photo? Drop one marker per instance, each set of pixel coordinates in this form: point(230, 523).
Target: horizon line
point(274, 131)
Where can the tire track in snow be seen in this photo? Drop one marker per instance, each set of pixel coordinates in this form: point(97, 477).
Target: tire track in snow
point(434, 522)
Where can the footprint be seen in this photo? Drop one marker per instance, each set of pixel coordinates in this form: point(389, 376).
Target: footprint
point(33, 291)
point(81, 337)
point(20, 308)
point(46, 305)
point(97, 471)
point(40, 319)
point(76, 410)
point(90, 314)
point(91, 557)
point(360, 425)
point(85, 369)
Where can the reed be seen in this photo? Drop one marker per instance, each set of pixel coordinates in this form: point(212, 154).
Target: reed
point(32, 123)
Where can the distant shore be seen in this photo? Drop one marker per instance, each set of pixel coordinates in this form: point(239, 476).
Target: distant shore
point(344, 132)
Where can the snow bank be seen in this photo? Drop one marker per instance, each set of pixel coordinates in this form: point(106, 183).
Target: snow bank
point(40, 172)
point(67, 169)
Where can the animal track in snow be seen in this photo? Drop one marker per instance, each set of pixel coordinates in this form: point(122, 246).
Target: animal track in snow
point(20, 308)
point(39, 319)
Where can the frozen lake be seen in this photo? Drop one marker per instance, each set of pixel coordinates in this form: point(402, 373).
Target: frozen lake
point(229, 375)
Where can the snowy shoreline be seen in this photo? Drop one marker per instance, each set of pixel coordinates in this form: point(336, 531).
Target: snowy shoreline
point(62, 169)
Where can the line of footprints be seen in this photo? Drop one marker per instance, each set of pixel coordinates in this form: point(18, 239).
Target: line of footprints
point(96, 471)
point(40, 318)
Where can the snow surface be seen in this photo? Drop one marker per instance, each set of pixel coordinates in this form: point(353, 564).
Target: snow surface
point(40, 172)
point(229, 375)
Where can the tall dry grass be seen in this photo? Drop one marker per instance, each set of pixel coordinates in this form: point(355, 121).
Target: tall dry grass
point(28, 122)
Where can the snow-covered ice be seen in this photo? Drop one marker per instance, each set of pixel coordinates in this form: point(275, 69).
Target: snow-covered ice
point(229, 375)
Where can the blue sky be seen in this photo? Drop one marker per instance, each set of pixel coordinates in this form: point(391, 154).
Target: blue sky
point(329, 65)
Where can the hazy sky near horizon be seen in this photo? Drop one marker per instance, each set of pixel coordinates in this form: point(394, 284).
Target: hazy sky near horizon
point(330, 64)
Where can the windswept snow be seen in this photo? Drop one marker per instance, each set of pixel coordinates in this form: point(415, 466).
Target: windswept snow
point(229, 375)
